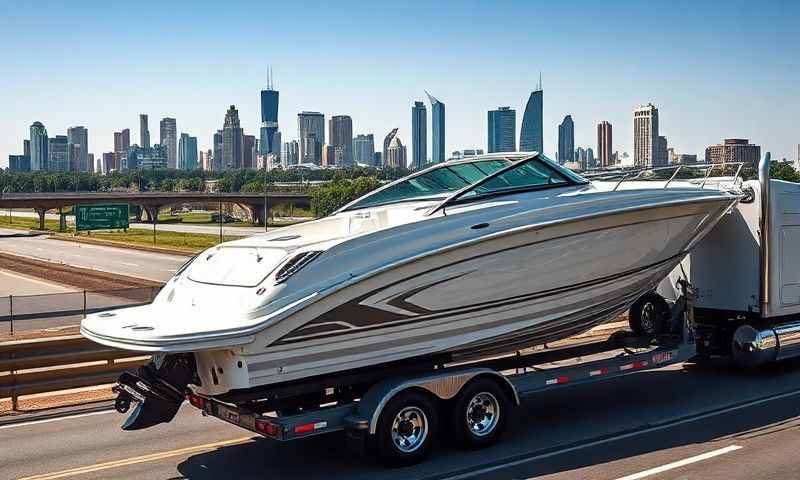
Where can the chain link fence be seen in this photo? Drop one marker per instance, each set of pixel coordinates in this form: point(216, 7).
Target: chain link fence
point(52, 310)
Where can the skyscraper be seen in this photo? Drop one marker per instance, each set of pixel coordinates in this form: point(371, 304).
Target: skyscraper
point(437, 130)
point(340, 128)
point(590, 160)
point(566, 141)
point(249, 151)
point(58, 150)
point(232, 140)
point(419, 135)
point(108, 162)
point(168, 138)
point(661, 157)
point(216, 158)
point(144, 131)
point(502, 130)
point(78, 139)
point(396, 154)
point(290, 153)
point(269, 118)
point(645, 135)
point(187, 152)
point(39, 145)
point(604, 144)
point(386, 142)
point(734, 150)
point(122, 142)
point(311, 135)
point(276, 147)
point(364, 149)
point(531, 138)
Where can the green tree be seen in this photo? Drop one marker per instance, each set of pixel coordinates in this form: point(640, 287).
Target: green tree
point(326, 199)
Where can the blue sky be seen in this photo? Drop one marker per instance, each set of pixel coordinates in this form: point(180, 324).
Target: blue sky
point(714, 69)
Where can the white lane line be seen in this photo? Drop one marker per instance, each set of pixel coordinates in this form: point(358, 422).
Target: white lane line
point(681, 463)
point(52, 285)
point(478, 472)
point(129, 264)
point(57, 419)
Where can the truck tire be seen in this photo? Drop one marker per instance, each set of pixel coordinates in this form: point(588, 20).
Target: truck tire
point(650, 315)
point(406, 429)
point(480, 413)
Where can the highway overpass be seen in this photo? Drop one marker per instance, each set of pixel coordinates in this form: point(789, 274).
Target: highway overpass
point(151, 202)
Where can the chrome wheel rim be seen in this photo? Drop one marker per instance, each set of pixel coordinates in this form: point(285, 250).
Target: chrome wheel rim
point(483, 412)
point(409, 429)
point(648, 317)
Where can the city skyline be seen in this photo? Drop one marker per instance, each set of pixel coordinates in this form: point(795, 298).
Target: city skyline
point(755, 102)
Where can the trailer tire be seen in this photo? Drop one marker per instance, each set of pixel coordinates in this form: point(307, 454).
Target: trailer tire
point(406, 429)
point(480, 413)
point(650, 315)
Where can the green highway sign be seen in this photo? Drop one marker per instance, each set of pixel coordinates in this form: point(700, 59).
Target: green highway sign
point(101, 217)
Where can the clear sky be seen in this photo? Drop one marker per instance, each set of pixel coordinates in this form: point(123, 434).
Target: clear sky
point(714, 69)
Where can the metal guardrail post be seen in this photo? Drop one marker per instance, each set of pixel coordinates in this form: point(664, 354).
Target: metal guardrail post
point(84, 303)
point(11, 312)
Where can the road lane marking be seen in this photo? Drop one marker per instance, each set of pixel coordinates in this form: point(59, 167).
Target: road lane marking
point(681, 463)
point(477, 471)
point(56, 419)
point(130, 264)
point(36, 280)
point(141, 459)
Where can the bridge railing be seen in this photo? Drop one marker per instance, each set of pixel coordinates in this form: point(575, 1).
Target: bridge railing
point(33, 312)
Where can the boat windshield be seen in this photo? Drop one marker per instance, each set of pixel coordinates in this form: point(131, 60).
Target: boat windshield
point(439, 183)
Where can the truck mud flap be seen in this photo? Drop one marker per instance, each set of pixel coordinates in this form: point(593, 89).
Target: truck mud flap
point(158, 389)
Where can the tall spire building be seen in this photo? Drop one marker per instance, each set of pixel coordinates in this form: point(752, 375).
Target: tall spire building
point(232, 141)
point(437, 131)
point(269, 118)
point(144, 131)
point(531, 138)
point(419, 135)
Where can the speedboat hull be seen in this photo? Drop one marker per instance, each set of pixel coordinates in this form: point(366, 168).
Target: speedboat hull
point(518, 289)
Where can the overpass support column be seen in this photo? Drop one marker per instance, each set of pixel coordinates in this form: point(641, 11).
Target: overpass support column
point(152, 214)
point(41, 211)
point(257, 214)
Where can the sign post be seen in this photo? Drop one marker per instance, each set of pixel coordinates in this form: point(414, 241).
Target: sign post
point(101, 217)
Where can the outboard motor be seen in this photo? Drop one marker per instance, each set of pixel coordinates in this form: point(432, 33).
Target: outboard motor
point(158, 388)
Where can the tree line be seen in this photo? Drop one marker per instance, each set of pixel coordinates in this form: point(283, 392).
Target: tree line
point(171, 180)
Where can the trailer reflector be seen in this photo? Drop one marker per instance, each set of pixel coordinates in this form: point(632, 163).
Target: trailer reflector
point(599, 371)
point(557, 380)
point(309, 427)
point(634, 365)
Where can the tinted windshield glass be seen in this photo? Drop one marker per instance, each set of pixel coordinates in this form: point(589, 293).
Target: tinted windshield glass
point(436, 183)
point(530, 174)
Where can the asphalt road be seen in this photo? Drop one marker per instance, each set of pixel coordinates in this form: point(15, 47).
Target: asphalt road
point(228, 229)
point(22, 287)
point(704, 422)
point(136, 263)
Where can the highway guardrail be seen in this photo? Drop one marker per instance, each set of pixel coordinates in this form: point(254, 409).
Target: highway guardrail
point(59, 363)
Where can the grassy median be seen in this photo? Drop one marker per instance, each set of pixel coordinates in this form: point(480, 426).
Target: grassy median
point(139, 237)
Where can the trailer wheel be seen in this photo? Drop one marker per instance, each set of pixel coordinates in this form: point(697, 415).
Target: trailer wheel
point(406, 429)
point(480, 413)
point(649, 315)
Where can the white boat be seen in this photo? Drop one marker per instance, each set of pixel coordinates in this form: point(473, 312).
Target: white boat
point(464, 259)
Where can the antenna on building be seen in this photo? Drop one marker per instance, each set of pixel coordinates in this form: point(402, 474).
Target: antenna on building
point(539, 87)
point(269, 77)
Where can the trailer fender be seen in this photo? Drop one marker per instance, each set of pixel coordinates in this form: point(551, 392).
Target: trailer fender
point(443, 386)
